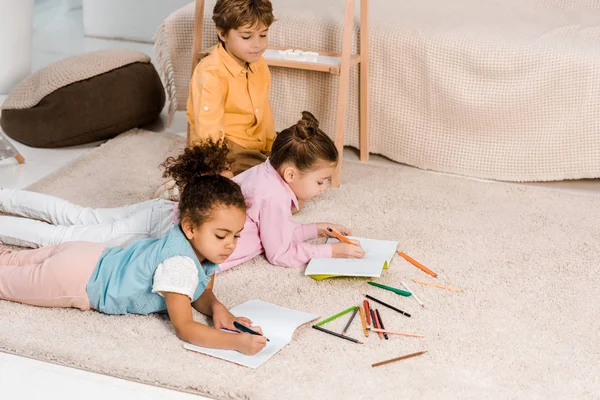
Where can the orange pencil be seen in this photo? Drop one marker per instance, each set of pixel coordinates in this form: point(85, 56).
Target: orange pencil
point(417, 264)
point(453, 289)
point(362, 318)
point(338, 235)
point(368, 312)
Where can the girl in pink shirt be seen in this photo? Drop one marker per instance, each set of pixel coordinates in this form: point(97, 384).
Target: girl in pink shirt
point(302, 159)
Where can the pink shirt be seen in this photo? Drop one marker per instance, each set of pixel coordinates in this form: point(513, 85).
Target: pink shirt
point(269, 226)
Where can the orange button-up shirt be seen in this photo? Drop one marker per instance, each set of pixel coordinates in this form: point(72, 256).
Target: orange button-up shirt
point(231, 100)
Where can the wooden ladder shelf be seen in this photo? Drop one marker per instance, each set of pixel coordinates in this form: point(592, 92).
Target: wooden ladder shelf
point(335, 63)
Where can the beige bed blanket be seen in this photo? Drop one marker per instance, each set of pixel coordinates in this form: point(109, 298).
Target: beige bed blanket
point(500, 89)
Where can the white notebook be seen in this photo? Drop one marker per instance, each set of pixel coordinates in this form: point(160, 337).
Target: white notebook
point(378, 254)
point(277, 323)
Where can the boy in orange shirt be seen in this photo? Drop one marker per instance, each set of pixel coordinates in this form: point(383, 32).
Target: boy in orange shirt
point(229, 89)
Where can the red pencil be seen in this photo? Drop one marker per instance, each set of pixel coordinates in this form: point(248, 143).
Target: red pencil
point(376, 323)
point(367, 311)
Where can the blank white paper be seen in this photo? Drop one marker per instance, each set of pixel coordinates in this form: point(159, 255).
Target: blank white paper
point(277, 323)
point(377, 252)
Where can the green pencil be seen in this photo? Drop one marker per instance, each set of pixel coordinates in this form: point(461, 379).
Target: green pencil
point(336, 316)
point(391, 289)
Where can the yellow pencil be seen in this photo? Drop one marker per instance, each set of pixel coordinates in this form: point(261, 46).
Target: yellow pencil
point(437, 285)
point(364, 322)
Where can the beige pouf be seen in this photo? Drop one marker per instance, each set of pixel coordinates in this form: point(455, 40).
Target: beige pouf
point(84, 98)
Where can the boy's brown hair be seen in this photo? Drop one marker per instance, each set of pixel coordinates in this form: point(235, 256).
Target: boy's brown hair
point(234, 14)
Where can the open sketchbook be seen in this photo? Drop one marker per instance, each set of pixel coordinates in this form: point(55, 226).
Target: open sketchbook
point(277, 323)
point(378, 254)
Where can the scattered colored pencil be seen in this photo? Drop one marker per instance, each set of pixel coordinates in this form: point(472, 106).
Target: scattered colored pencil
point(364, 323)
point(396, 332)
point(417, 264)
point(336, 334)
point(374, 319)
point(350, 320)
point(367, 311)
point(391, 289)
point(399, 358)
point(387, 305)
point(453, 289)
point(413, 294)
point(336, 316)
point(338, 235)
point(380, 322)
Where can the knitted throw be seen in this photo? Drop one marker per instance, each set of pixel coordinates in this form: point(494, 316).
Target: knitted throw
point(505, 90)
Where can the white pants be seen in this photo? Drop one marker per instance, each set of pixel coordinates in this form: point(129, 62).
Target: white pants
point(51, 221)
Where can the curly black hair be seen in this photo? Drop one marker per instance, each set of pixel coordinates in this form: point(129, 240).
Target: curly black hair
point(197, 174)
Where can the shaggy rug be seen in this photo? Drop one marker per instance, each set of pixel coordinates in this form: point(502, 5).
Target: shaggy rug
point(525, 325)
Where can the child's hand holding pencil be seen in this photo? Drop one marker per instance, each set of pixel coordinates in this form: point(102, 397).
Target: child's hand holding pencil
point(249, 344)
point(346, 248)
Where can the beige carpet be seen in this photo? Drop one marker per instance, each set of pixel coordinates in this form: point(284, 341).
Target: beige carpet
point(526, 325)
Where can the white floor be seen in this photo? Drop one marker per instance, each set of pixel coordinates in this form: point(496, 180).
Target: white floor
point(58, 33)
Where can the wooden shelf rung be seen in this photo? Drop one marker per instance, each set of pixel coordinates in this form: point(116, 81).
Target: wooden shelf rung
point(326, 62)
point(300, 65)
point(329, 61)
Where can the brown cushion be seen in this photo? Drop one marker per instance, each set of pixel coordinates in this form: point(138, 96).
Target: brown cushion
point(89, 110)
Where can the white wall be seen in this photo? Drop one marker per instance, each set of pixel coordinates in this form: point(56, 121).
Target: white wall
point(16, 30)
point(73, 4)
point(126, 19)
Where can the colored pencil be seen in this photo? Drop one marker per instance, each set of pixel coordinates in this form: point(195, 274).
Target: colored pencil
point(367, 311)
point(364, 323)
point(391, 289)
point(418, 335)
point(380, 322)
point(399, 358)
point(338, 235)
point(336, 316)
point(413, 294)
point(453, 289)
point(417, 264)
point(336, 334)
point(375, 322)
point(243, 328)
point(387, 305)
point(350, 320)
